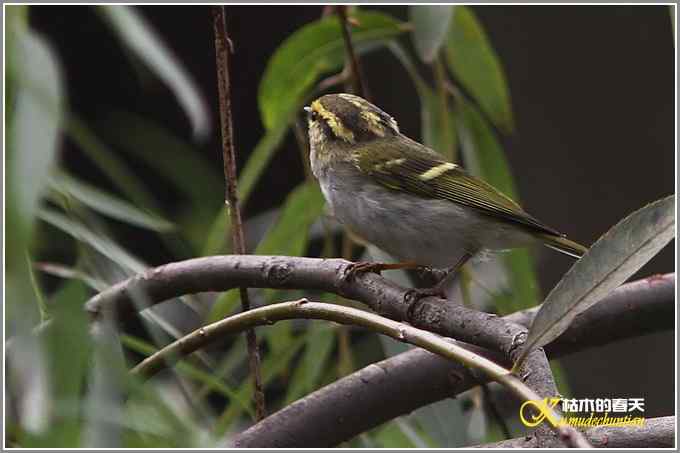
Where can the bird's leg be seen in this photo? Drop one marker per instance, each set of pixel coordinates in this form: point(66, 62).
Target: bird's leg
point(362, 267)
point(440, 288)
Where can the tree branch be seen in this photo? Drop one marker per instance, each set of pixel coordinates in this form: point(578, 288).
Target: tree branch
point(326, 417)
point(358, 84)
point(441, 316)
point(222, 49)
point(225, 272)
point(267, 315)
point(656, 433)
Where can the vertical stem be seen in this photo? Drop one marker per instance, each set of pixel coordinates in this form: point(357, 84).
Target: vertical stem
point(222, 49)
point(358, 85)
point(445, 119)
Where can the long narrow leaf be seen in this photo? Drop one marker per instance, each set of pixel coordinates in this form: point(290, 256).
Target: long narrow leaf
point(437, 120)
point(484, 157)
point(430, 25)
point(33, 138)
point(106, 203)
point(617, 255)
point(257, 162)
point(141, 38)
point(476, 65)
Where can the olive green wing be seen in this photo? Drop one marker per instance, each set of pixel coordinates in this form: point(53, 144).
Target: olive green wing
point(416, 169)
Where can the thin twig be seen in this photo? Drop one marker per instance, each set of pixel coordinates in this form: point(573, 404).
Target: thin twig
point(222, 49)
point(445, 118)
point(358, 84)
point(302, 309)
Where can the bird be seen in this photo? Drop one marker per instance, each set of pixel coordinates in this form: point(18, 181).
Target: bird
point(407, 199)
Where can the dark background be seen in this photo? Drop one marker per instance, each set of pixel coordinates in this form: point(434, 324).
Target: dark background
point(593, 94)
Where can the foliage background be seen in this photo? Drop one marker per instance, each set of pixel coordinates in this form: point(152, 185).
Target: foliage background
point(592, 91)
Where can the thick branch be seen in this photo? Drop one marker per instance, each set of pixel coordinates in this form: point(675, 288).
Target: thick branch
point(656, 433)
point(222, 48)
point(326, 417)
point(444, 347)
point(221, 273)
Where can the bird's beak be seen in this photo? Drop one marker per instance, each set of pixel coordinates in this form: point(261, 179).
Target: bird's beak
point(307, 109)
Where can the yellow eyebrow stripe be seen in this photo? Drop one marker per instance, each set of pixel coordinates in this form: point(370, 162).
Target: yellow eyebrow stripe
point(437, 171)
point(333, 122)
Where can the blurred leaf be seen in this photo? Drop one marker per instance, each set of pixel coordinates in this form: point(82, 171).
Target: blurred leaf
point(38, 293)
point(109, 163)
point(187, 369)
point(98, 242)
point(107, 204)
point(68, 273)
point(430, 25)
point(437, 120)
point(288, 236)
point(617, 255)
point(272, 366)
point(67, 343)
point(444, 421)
point(476, 65)
point(33, 138)
point(320, 339)
point(522, 281)
point(251, 173)
point(179, 162)
point(477, 425)
point(484, 157)
point(392, 436)
point(104, 397)
point(312, 50)
point(141, 38)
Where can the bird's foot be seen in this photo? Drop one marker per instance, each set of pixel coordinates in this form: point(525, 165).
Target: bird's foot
point(376, 268)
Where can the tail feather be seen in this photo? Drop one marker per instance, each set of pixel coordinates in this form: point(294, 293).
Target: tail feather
point(564, 245)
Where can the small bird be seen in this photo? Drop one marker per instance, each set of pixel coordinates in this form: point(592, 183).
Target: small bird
point(405, 198)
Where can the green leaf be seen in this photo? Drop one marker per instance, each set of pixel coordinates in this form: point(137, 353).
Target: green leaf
point(37, 117)
point(320, 340)
point(106, 203)
point(476, 65)
point(138, 35)
point(617, 255)
point(272, 366)
point(430, 25)
point(97, 241)
point(109, 163)
point(67, 343)
point(312, 50)
point(484, 157)
point(392, 436)
point(288, 236)
point(187, 369)
point(257, 162)
point(181, 163)
point(437, 119)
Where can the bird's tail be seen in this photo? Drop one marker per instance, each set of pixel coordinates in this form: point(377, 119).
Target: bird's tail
point(564, 245)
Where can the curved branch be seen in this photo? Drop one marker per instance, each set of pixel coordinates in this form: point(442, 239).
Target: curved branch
point(444, 347)
point(326, 417)
point(220, 273)
point(655, 433)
